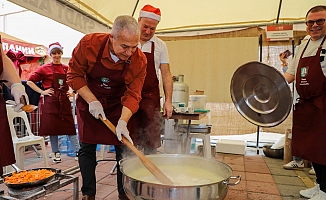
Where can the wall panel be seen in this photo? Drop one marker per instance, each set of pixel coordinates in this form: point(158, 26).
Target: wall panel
point(209, 64)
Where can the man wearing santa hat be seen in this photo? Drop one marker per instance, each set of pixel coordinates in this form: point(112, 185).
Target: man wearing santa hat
point(147, 135)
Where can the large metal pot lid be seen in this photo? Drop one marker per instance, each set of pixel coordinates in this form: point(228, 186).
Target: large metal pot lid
point(261, 94)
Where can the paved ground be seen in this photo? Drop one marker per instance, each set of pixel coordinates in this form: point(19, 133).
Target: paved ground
point(262, 177)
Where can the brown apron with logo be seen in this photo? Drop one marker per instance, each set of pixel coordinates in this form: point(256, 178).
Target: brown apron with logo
point(309, 116)
point(147, 118)
point(108, 86)
point(56, 116)
point(7, 155)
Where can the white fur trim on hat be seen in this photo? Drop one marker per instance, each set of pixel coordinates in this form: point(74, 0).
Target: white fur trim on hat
point(54, 46)
point(149, 15)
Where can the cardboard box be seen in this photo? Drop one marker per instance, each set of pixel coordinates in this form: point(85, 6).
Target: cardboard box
point(198, 92)
point(231, 146)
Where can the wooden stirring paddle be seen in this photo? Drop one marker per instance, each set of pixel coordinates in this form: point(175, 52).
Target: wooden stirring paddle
point(147, 163)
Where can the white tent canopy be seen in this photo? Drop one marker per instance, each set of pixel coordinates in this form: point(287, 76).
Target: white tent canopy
point(178, 15)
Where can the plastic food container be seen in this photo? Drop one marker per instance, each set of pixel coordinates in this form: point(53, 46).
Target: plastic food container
point(198, 102)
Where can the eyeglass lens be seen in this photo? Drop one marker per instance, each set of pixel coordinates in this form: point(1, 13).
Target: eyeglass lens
point(318, 22)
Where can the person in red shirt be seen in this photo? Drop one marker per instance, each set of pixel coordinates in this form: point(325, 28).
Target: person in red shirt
point(108, 73)
point(8, 76)
point(56, 116)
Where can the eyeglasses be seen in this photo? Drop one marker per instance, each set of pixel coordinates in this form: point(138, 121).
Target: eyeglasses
point(318, 22)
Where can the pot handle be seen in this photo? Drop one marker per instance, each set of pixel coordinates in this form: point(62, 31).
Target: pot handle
point(233, 177)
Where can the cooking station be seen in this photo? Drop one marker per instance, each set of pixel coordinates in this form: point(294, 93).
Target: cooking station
point(60, 180)
point(186, 116)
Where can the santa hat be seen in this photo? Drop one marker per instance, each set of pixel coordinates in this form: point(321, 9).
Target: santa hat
point(55, 45)
point(150, 12)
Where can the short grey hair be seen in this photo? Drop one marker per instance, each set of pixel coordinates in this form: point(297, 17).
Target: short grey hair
point(125, 22)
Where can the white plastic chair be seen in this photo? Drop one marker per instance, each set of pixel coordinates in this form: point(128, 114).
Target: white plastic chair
point(27, 140)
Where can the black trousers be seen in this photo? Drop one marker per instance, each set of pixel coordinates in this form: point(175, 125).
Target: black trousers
point(87, 164)
point(320, 175)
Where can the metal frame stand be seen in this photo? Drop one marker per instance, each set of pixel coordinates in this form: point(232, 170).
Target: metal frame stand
point(257, 142)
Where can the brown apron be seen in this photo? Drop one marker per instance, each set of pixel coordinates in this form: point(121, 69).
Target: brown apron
point(7, 155)
point(108, 86)
point(309, 116)
point(147, 118)
point(56, 116)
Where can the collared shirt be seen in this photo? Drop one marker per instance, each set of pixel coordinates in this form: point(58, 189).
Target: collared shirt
point(161, 55)
point(83, 60)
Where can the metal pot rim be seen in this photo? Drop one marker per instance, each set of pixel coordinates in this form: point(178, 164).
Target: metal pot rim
point(125, 161)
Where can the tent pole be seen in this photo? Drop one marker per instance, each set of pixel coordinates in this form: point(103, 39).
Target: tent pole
point(133, 12)
point(257, 142)
point(279, 11)
point(260, 48)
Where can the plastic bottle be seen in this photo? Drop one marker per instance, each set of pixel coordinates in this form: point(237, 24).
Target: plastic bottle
point(62, 143)
point(70, 149)
point(193, 146)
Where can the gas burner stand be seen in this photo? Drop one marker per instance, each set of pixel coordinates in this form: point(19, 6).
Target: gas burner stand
point(60, 180)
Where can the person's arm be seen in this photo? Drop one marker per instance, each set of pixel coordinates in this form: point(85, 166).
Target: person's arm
point(34, 87)
point(289, 77)
point(79, 65)
point(10, 74)
point(86, 94)
point(168, 88)
point(125, 114)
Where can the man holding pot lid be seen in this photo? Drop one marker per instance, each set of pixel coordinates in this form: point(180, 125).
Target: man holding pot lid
point(8, 76)
point(147, 133)
point(108, 73)
point(308, 69)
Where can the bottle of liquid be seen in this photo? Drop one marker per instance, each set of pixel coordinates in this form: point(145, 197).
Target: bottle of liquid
point(70, 149)
point(193, 146)
point(62, 142)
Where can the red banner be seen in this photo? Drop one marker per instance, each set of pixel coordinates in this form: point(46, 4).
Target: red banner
point(28, 49)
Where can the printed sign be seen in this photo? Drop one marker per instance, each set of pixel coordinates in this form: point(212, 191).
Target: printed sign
point(279, 32)
point(28, 49)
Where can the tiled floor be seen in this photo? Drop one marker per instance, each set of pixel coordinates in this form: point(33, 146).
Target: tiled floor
point(262, 177)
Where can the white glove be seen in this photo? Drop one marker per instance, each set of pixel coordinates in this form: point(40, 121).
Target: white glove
point(122, 130)
point(96, 109)
point(17, 91)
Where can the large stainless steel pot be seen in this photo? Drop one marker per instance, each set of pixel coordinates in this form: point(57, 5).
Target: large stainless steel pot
point(138, 189)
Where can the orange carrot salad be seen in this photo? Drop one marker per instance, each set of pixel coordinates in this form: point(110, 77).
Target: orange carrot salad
point(28, 176)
